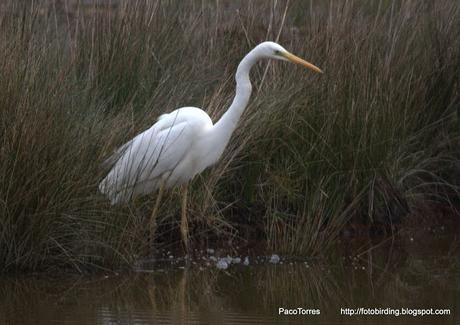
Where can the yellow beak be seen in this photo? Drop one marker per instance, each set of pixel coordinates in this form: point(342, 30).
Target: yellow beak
point(295, 59)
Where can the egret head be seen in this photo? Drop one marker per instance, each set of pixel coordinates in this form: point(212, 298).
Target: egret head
point(272, 50)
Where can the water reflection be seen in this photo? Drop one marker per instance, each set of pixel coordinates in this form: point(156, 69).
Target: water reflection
point(389, 276)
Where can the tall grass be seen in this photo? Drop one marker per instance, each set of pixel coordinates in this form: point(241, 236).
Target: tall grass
point(372, 138)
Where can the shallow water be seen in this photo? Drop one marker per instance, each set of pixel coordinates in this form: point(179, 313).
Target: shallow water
point(413, 273)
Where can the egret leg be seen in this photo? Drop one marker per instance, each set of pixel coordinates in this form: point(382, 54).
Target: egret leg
point(153, 216)
point(184, 222)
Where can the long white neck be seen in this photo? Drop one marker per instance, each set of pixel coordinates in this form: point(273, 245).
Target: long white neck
point(223, 129)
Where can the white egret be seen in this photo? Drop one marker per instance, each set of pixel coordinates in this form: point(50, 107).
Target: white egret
point(183, 143)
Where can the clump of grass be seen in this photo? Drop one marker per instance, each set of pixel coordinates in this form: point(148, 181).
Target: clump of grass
point(370, 139)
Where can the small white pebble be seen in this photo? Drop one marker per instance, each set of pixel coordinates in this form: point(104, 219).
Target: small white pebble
point(274, 259)
point(222, 264)
point(236, 260)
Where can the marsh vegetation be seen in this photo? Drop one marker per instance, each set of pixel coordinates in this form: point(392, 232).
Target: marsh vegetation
point(372, 141)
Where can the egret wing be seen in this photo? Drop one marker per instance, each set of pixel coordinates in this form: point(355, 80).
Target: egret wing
point(166, 122)
point(140, 162)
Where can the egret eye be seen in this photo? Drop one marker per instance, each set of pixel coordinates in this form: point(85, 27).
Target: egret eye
point(277, 52)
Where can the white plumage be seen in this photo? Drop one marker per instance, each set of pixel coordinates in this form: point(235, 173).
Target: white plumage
point(161, 153)
point(183, 143)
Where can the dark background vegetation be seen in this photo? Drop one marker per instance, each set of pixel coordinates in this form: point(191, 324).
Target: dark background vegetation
point(374, 140)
